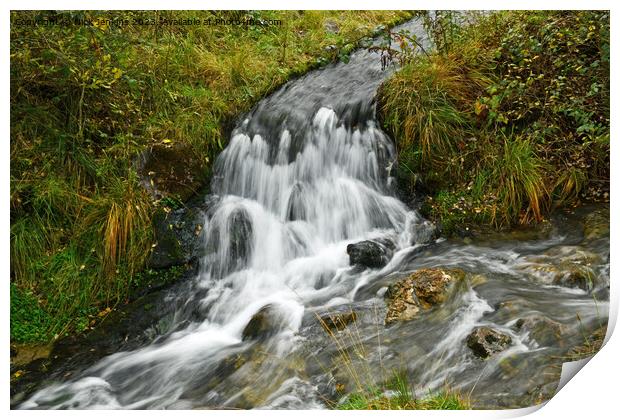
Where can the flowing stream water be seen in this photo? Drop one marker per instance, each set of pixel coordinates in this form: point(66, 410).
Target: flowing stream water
point(307, 172)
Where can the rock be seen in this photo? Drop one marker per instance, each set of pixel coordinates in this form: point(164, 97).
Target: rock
point(485, 341)
point(296, 206)
point(331, 27)
point(337, 322)
point(568, 266)
point(424, 232)
point(545, 331)
point(420, 291)
point(372, 254)
point(235, 239)
point(171, 169)
point(596, 224)
point(576, 276)
point(177, 236)
point(263, 324)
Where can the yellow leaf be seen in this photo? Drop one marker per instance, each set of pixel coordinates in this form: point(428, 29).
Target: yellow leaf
point(166, 141)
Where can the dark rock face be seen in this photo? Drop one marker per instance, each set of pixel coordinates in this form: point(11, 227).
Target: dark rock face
point(422, 290)
point(171, 170)
point(240, 245)
point(545, 331)
point(263, 324)
point(337, 322)
point(485, 341)
point(371, 254)
point(177, 236)
point(296, 209)
point(235, 239)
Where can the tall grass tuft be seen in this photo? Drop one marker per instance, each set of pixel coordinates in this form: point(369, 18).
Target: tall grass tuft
point(520, 181)
point(425, 107)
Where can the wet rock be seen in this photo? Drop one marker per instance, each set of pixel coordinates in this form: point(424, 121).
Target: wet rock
point(177, 237)
point(235, 240)
point(22, 354)
point(338, 321)
point(420, 291)
point(596, 224)
point(545, 331)
point(424, 232)
point(263, 324)
point(576, 276)
point(240, 244)
point(171, 169)
point(372, 254)
point(296, 208)
point(485, 341)
point(568, 266)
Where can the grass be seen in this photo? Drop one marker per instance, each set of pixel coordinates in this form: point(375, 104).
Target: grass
point(404, 401)
point(87, 100)
point(507, 120)
point(376, 387)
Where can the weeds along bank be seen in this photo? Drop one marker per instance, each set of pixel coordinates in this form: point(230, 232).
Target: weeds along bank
point(507, 120)
point(90, 96)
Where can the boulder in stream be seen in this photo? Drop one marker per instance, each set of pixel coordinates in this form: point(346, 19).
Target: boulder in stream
point(420, 291)
point(371, 254)
point(264, 324)
point(485, 341)
point(596, 224)
point(568, 266)
point(545, 331)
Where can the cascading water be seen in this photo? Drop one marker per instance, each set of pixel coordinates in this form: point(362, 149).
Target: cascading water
point(306, 173)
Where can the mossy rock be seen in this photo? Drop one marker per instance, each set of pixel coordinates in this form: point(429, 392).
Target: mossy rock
point(596, 224)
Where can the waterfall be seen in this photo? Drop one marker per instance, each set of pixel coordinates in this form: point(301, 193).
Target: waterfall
point(295, 186)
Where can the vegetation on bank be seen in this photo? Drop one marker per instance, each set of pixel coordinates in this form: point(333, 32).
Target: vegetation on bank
point(399, 396)
point(88, 99)
point(507, 119)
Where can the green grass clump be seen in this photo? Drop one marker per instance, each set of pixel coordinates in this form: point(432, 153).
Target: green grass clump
point(88, 100)
point(508, 119)
point(29, 321)
point(400, 397)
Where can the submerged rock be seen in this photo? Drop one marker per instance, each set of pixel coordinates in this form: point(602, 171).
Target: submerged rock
point(485, 341)
point(545, 331)
point(337, 322)
point(420, 291)
point(568, 266)
point(371, 254)
point(576, 276)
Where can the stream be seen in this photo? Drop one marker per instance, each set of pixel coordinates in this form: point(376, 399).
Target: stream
point(306, 173)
